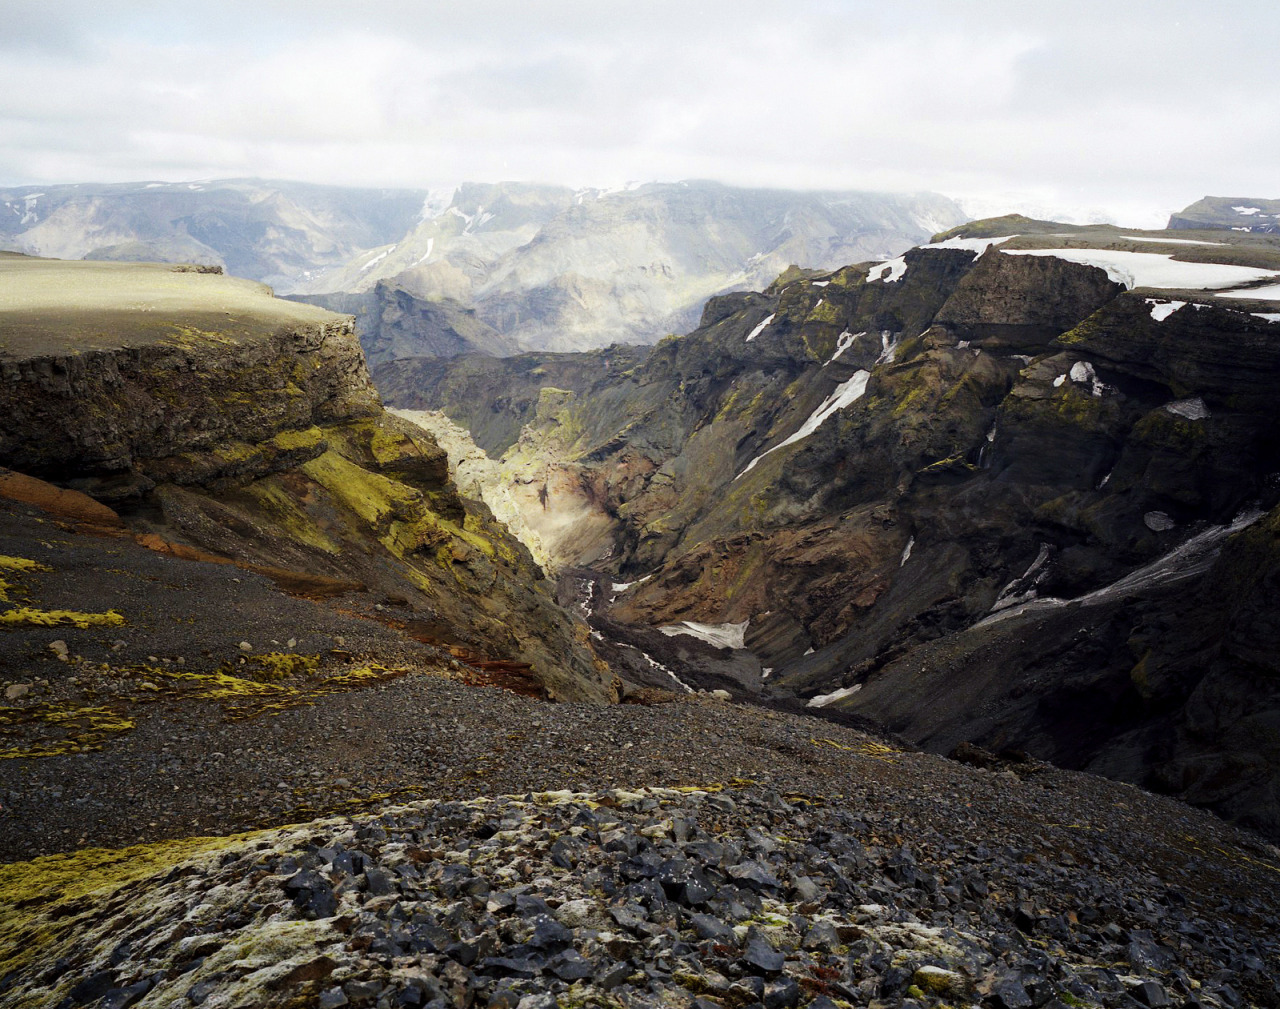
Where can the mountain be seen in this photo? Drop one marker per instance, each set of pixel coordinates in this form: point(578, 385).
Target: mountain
point(557, 269)
point(1013, 491)
point(275, 232)
point(1236, 214)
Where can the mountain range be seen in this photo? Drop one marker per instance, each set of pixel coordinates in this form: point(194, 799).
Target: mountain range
point(493, 268)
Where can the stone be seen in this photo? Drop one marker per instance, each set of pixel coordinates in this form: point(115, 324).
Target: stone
point(761, 955)
point(710, 927)
point(16, 691)
point(781, 993)
point(941, 982)
point(754, 875)
point(332, 998)
point(59, 649)
point(1009, 993)
point(1151, 993)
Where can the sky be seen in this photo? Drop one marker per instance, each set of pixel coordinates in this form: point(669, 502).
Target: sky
point(1084, 111)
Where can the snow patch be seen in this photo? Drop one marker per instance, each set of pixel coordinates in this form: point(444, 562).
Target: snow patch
point(1269, 293)
point(1247, 211)
point(1269, 316)
point(888, 347)
point(819, 283)
point(1161, 310)
point(623, 586)
point(822, 700)
point(890, 272)
point(906, 551)
point(1155, 269)
point(431, 244)
point(1082, 373)
point(978, 245)
point(1191, 409)
point(760, 328)
point(845, 393)
point(719, 635)
point(377, 259)
point(843, 342)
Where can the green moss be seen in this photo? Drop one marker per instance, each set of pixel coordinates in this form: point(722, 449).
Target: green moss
point(825, 311)
point(21, 564)
point(278, 665)
point(293, 441)
point(288, 515)
point(31, 617)
point(60, 729)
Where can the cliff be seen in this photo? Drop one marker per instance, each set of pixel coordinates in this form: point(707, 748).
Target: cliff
point(226, 424)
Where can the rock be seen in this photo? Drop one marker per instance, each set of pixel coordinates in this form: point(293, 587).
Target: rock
point(245, 646)
point(1009, 993)
point(781, 993)
point(941, 982)
point(16, 691)
point(331, 998)
point(761, 955)
point(1151, 993)
point(710, 927)
point(59, 649)
point(312, 894)
point(754, 875)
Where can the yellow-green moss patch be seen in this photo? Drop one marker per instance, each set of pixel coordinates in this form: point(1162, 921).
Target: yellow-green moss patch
point(29, 616)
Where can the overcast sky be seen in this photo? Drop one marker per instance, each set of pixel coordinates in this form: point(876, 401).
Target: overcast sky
point(1119, 110)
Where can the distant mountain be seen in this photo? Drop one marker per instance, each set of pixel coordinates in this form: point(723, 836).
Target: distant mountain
point(1237, 213)
point(276, 232)
point(556, 269)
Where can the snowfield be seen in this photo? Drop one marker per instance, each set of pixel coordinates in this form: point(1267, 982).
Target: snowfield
point(719, 635)
point(1153, 269)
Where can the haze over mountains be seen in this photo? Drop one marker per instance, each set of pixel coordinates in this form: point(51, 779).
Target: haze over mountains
point(488, 268)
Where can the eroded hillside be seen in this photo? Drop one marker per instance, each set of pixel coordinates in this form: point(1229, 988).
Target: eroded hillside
point(866, 466)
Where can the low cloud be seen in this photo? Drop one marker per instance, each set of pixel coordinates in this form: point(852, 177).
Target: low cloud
point(1083, 108)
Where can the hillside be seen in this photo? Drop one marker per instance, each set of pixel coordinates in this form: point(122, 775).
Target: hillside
point(1228, 213)
point(1016, 491)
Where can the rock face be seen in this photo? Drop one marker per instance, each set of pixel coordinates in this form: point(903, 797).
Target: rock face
point(234, 425)
point(975, 493)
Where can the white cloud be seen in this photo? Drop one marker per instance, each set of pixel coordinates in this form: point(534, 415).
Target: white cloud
point(1013, 106)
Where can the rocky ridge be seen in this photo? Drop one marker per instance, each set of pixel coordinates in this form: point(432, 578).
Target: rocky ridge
point(866, 465)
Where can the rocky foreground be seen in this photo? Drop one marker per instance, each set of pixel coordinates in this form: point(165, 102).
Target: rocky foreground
point(923, 882)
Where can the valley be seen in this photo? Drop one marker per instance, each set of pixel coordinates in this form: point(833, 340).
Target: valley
point(900, 635)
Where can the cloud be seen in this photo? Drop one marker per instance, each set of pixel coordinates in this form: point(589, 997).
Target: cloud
point(1091, 105)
